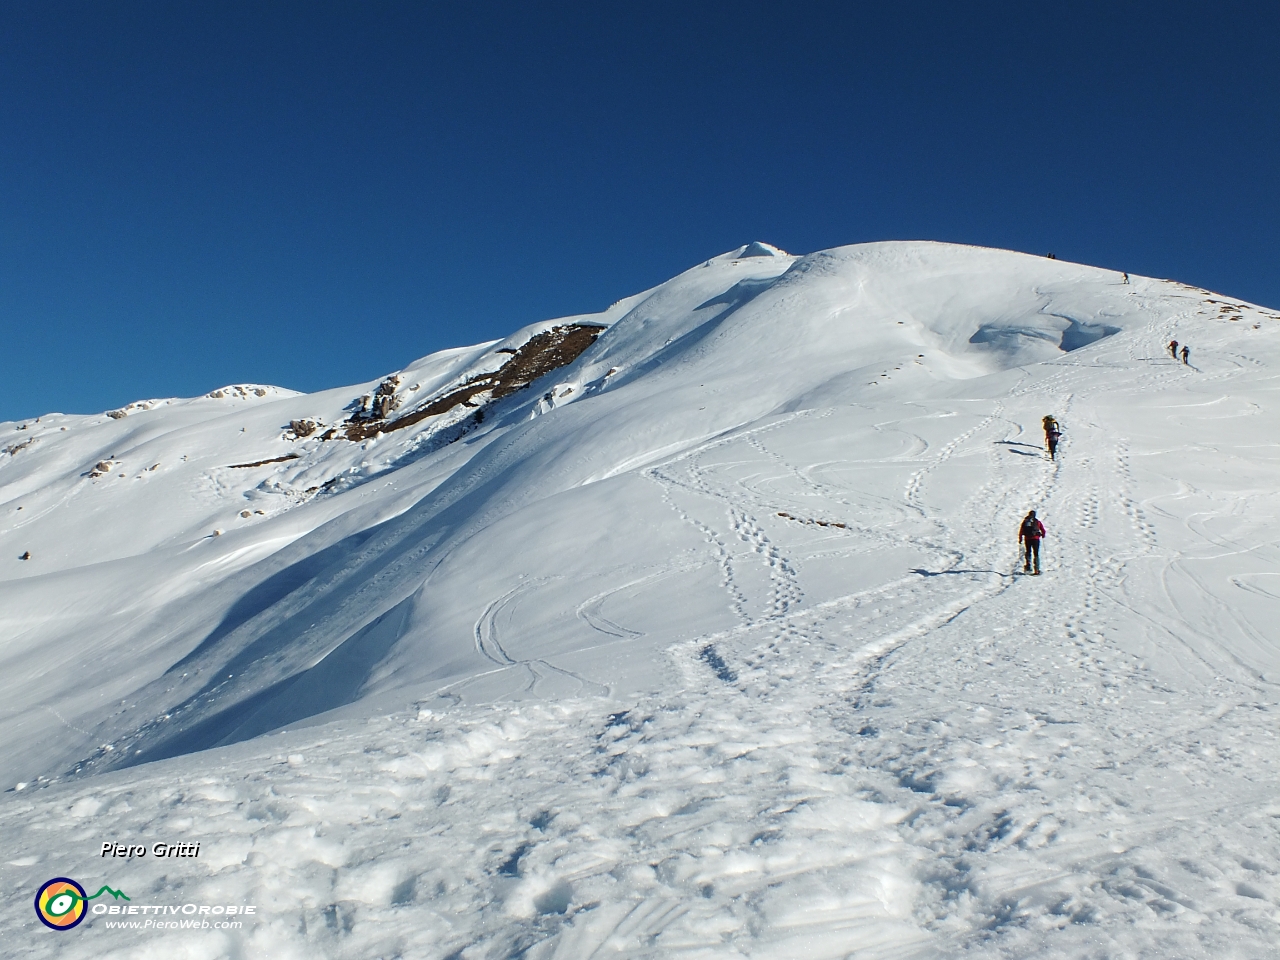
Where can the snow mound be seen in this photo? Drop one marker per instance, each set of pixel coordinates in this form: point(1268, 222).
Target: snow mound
point(757, 249)
point(139, 406)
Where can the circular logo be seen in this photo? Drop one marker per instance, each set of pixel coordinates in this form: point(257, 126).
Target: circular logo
point(60, 903)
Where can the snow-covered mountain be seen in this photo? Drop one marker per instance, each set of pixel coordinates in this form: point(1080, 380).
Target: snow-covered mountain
point(689, 628)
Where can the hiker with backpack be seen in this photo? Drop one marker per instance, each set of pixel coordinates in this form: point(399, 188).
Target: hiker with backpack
point(1051, 434)
point(1186, 352)
point(1173, 349)
point(1030, 533)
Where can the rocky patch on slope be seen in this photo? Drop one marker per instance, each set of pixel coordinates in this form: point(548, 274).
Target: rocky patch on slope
point(543, 353)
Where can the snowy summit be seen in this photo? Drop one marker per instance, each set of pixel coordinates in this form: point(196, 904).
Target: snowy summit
point(692, 628)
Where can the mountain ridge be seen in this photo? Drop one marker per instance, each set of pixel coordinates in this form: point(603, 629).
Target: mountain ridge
point(712, 639)
point(926, 305)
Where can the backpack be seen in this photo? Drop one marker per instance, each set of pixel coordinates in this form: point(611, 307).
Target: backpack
point(1031, 529)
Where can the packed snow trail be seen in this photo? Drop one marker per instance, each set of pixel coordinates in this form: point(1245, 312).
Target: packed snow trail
point(766, 684)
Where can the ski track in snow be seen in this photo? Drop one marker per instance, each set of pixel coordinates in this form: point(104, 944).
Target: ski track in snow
point(932, 761)
point(545, 678)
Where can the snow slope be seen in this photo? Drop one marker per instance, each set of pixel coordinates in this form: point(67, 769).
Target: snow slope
point(706, 643)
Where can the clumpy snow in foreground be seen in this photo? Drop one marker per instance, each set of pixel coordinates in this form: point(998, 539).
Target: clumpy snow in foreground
point(688, 629)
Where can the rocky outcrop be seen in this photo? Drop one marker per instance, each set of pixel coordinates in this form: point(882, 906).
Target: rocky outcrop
point(263, 463)
point(543, 353)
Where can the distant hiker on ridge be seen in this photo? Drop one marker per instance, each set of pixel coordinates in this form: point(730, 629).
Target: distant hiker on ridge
point(1173, 349)
point(1126, 278)
point(1051, 434)
point(1030, 534)
point(1186, 352)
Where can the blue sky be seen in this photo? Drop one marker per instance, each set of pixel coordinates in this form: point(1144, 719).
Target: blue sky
point(312, 194)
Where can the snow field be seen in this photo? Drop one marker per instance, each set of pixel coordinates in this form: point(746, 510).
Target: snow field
point(753, 673)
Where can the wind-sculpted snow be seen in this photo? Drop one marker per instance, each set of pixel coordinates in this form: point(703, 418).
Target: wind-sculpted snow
point(707, 643)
